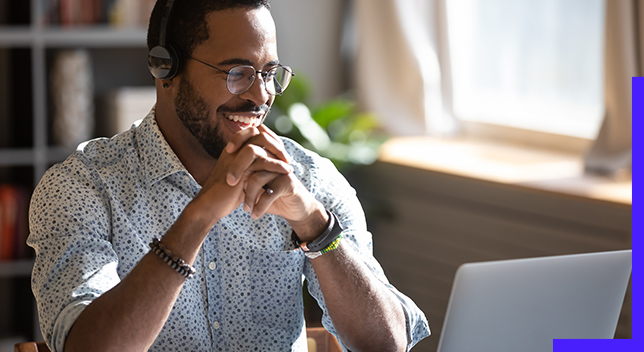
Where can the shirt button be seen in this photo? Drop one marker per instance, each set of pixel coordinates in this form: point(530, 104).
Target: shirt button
point(212, 265)
point(216, 325)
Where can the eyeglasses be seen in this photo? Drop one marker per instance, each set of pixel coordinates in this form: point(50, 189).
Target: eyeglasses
point(240, 78)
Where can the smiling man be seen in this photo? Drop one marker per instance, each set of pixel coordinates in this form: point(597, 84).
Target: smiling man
point(193, 230)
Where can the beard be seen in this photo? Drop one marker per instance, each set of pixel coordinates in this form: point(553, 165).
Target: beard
point(194, 113)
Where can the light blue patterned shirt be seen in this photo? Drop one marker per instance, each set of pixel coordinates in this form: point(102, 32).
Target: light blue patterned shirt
point(93, 216)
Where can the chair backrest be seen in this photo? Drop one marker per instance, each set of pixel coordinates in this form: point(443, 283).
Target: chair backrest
point(321, 340)
point(31, 347)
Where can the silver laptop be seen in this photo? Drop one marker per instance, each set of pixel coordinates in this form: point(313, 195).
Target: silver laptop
point(523, 304)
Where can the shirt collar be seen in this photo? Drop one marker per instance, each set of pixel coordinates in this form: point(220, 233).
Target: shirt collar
point(157, 157)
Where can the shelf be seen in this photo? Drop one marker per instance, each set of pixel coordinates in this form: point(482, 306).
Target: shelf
point(92, 36)
point(17, 268)
point(16, 157)
point(27, 156)
point(58, 154)
point(16, 36)
point(28, 47)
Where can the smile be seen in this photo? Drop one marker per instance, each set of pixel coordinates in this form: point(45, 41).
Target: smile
point(248, 121)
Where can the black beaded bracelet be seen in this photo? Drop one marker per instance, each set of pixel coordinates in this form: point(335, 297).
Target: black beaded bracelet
point(324, 240)
point(176, 263)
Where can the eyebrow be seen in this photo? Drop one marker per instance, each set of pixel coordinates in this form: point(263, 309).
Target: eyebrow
point(239, 61)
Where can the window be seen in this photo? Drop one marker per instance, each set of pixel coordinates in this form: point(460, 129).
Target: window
point(531, 64)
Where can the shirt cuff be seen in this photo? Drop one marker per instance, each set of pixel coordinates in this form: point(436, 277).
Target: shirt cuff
point(64, 323)
point(416, 323)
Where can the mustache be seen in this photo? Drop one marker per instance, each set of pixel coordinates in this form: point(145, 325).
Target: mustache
point(245, 107)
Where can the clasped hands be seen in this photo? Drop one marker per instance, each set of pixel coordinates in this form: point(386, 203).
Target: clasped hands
point(254, 160)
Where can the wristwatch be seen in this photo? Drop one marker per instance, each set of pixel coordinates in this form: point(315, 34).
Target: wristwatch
point(313, 249)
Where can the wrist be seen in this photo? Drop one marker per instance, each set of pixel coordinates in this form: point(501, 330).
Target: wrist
point(325, 242)
point(199, 212)
point(187, 234)
point(313, 226)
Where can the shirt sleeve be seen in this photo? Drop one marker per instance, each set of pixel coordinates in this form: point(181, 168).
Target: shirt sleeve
point(337, 196)
point(69, 231)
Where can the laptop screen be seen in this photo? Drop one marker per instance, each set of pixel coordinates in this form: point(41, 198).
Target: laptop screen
point(523, 304)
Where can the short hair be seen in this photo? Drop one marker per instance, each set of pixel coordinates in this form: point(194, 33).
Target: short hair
point(187, 26)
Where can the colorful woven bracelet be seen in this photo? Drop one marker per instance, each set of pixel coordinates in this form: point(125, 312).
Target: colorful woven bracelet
point(176, 263)
point(333, 245)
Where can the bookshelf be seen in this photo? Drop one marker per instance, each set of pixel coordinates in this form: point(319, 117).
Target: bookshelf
point(30, 39)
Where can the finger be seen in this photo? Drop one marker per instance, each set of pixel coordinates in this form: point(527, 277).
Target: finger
point(276, 146)
point(251, 159)
point(281, 186)
point(257, 185)
point(240, 138)
point(261, 136)
point(265, 129)
point(271, 144)
point(268, 189)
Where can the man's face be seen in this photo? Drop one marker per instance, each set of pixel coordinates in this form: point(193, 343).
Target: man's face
point(206, 108)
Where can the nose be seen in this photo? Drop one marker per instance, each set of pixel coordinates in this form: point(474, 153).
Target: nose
point(257, 92)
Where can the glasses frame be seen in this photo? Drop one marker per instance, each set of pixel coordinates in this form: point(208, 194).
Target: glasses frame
point(264, 75)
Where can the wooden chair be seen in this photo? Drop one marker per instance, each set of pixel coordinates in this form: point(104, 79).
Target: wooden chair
point(318, 339)
point(31, 347)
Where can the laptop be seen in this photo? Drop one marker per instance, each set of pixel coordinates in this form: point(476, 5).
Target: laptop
point(523, 304)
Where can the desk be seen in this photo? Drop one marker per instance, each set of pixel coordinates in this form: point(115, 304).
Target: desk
point(429, 214)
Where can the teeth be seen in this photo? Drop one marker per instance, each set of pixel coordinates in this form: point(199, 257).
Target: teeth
point(244, 119)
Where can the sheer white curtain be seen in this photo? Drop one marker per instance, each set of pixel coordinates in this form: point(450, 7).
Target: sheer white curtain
point(399, 73)
point(623, 59)
point(403, 74)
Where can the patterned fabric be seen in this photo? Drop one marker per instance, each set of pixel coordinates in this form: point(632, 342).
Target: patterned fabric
point(93, 216)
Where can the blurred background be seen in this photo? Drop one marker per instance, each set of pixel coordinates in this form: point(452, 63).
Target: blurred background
point(471, 129)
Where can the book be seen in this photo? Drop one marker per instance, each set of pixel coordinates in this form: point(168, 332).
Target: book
point(21, 231)
point(8, 219)
point(120, 13)
point(13, 222)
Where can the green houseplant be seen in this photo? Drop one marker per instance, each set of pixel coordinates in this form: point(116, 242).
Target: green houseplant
point(334, 129)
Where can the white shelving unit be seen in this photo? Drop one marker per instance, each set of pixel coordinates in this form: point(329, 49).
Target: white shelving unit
point(39, 39)
point(16, 268)
point(118, 58)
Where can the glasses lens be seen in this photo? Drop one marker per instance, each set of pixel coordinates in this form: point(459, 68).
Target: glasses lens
point(278, 79)
point(240, 78)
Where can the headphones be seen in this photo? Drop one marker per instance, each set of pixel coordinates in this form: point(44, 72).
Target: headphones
point(163, 61)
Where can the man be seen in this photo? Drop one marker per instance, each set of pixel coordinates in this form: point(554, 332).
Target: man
point(178, 235)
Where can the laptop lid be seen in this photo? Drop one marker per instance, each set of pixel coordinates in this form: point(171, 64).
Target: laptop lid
point(523, 304)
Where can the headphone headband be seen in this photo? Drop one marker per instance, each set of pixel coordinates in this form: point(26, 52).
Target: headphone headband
point(164, 21)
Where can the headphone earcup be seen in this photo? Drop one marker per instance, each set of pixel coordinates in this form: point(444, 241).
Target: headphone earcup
point(163, 62)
